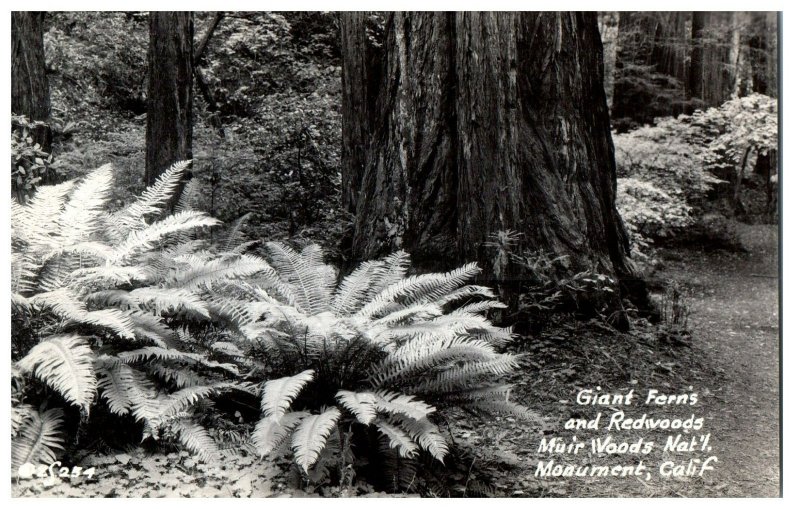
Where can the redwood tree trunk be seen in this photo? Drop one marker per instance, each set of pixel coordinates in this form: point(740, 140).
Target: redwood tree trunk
point(169, 92)
point(488, 122)
point(30, 93)
point(695, 85)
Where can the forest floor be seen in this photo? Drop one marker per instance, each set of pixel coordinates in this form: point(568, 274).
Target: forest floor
point(730, 361)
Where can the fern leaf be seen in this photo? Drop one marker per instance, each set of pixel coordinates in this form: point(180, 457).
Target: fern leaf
point(38, 439)
point(206, 273)
point(278, 394)
point(169, 300)
point(19, 414)
point(140, 240)
point(196, 438)
point(311, 436)
point(418, 289)
point(426, 434)
point(65, 363)
point(64, 303)
point(398, 438)
point(269, 433)
point(312, 291)
point(153, 199)
point(80, 217)
point(353, 289)
point(114, 380)
point(360, 404)
point(394, 403)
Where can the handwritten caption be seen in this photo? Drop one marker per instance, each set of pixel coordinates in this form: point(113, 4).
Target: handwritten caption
point(638, 443)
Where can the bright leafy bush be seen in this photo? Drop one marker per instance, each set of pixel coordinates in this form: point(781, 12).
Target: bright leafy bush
point(359, 366)
point(105, 302)
point(666, 171)
point(30, 164)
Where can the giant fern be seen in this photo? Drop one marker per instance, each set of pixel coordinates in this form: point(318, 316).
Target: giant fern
point(108, 293)
point(372, 350)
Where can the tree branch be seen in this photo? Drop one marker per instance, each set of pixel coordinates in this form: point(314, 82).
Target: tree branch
point(203, 44)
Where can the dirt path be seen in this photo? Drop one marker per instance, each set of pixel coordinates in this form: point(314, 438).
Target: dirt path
point(734, 304)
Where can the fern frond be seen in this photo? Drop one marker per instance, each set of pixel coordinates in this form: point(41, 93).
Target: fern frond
point(20, 414)
point(167, 300)
point(79, 219)
point(180, 377)
point(465, 292)
point(424, 354)
point(353, 289)
point(312, 291)
point(65, 363)
point(183, 399)
point(466, 375)
point(153, 199)
point(278, 394)
point(418, 289)
point(269, 433)
point(233, 238)
point(401, 404)
point(150, 327)
point(110, 275)
point(63, 303)
point(144, 239)
point(398, 438)
point(203, 274)
point(38, 439)
point(360, 404)
point(425, 433)
point(482, 306)
point(311, 436)
point(114, 381)
point(196, 439)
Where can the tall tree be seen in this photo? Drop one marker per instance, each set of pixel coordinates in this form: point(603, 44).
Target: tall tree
point(712, 77)
point(30, 93)
point(169, 91)
point(487, 122)
point(650, 69)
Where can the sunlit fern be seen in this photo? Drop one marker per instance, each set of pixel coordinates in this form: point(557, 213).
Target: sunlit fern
point(101, 288)
point(377, 350)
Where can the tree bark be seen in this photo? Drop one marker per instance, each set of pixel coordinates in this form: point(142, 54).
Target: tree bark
point(30, 92)
point(361, 61)
point(488, 122)
point(169, 92)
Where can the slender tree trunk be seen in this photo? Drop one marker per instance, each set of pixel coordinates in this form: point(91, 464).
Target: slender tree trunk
point(169, 92)
point(488, 122)
point(609, 35)
point(30, 92)
point(695, 87)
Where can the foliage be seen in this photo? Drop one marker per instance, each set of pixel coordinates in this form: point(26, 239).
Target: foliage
point(737, 127)
point(30, 164)
point(266, 113)
point(364, 356)
point(101, 301)
point(668, 170)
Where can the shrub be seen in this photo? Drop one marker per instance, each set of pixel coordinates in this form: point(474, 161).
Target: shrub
point(104, 302)
point(365, 360)
point(30, 164)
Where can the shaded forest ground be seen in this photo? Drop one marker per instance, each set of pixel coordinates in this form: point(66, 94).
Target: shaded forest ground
point(731, 362)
